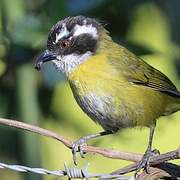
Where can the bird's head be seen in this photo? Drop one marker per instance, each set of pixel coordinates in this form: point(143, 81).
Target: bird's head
point(71, 42)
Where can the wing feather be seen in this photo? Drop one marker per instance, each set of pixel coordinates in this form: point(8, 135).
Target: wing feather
point(148, 76)
point(139, 72)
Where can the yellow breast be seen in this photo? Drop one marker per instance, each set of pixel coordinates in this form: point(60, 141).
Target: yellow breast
point(95, 74)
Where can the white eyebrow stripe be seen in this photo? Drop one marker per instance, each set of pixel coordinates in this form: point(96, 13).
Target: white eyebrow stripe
point(89, 29)
point(84, 22)
point(62, 33)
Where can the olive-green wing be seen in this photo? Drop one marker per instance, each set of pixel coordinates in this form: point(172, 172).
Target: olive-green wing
point(137, 71)
point(144, 74)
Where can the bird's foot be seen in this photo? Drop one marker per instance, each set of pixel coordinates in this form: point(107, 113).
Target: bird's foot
point(144, 163)
point(77, 147)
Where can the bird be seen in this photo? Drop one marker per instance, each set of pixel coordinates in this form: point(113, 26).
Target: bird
point(113, 86)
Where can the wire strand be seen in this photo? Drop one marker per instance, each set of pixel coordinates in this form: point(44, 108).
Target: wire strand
point(71, 173)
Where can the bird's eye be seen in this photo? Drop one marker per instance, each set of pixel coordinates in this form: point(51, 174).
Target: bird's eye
point(64, 44)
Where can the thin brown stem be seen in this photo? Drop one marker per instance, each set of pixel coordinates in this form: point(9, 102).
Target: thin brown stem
point(154, 161)
point(110, 153)
point(35, 129)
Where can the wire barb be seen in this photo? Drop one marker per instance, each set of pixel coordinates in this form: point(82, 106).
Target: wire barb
point(76, 173)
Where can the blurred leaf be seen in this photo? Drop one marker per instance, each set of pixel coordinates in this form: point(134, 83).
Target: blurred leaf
point(2, 67)
point(56, 9)
point(28, 32)
point(149, 31)
point(28, 112)
point(155, 35)
point(14, 11)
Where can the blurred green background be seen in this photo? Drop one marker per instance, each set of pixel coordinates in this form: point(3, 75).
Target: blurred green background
point(148, 28)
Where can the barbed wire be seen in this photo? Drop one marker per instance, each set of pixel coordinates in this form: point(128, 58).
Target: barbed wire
point(71, 173)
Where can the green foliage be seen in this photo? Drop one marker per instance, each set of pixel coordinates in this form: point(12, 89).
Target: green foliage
point(45, 98)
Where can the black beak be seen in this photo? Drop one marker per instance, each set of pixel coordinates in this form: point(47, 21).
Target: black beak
point(42, 58)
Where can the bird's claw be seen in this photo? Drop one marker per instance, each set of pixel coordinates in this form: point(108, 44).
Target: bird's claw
point(144, 163)
point(77, 146)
